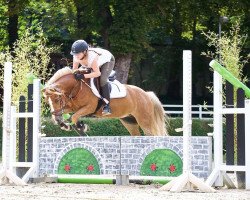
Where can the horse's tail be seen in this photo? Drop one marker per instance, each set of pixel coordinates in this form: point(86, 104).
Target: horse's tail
point(159, 119)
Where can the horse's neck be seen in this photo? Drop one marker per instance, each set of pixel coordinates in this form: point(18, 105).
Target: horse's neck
point(67, 83)
point(82, 86)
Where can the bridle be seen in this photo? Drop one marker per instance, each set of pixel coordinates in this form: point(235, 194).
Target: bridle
point(64, 99)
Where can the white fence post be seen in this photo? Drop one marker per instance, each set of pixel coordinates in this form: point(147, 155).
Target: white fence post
point(200, 112)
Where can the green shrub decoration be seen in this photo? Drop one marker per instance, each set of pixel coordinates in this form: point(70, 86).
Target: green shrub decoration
point(161, 162)
point(79, 161)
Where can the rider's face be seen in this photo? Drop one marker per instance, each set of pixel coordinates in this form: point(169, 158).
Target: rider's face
point(81, 55)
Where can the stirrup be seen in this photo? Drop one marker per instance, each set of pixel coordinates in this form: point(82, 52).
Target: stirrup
point(106, 110)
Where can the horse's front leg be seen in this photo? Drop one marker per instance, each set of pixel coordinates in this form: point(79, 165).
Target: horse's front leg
point(86, 110)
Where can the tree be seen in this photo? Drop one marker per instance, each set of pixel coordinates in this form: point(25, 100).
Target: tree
point(120, 26)
point(14, 8)
point(29, 55)
point(139, 33)
point(128, 33)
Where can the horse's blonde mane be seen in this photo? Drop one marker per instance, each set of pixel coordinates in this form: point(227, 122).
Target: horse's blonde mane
point(61, 72)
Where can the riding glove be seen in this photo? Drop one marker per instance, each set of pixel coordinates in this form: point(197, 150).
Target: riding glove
point(79, 76)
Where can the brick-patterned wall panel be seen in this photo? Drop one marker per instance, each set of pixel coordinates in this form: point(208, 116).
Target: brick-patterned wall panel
point(127, 152)
point(105, 149)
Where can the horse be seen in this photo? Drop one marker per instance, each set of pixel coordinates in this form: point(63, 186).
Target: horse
point(138, 109)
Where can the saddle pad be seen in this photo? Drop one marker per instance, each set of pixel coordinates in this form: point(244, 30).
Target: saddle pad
point(118, 90)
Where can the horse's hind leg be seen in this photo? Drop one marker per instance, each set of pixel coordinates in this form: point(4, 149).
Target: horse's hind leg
point(131, 125)
point(145, 123)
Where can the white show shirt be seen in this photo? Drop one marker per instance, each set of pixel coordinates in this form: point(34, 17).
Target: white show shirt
point(104, 56)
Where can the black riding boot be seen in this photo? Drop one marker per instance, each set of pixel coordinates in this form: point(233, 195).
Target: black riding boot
point(106, 95)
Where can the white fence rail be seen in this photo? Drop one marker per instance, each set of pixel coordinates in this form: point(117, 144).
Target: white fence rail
point(198, 111)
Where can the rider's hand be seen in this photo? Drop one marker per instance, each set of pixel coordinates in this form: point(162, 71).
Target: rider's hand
point(79, 76)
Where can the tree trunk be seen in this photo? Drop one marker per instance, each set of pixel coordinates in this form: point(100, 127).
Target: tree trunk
point(106, 17)
point(12, 25)
point(81, 24)
point(122, 67)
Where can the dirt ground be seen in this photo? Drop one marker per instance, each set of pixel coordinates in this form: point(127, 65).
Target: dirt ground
point(59, 191)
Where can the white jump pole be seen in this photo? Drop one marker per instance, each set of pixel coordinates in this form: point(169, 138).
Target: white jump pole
point(187, 180)
point(187, 107)
point(217, 176)
point(7, 175)
point(36, 124)
point(6, 118)
point(218, 129)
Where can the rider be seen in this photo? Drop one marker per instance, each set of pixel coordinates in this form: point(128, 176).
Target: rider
point(101, 62)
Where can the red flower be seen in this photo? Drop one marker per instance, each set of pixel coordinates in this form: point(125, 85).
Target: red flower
point(153, 167)
point(172, 168)
point(67, 168)
point(90, 168)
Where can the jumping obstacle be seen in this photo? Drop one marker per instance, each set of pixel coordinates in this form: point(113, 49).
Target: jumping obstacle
point(187, 181)
point(218, 176)
point(8, 173)
point(136, 148)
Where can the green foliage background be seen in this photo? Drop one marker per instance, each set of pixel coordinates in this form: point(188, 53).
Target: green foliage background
point(30, 56)
point(113, 127)
point(152, 33)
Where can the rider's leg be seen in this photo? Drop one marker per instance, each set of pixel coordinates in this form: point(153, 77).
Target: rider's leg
point(106, 95)
point(105, 72)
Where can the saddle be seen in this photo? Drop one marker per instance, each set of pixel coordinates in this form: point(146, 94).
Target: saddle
point(117, 90)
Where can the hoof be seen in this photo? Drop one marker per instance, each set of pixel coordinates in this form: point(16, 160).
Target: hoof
point(82, 127)
point(86, 128)
point(65, 126)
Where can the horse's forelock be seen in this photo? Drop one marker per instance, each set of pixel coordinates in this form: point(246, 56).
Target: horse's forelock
point(52, 89)
point(61, 72)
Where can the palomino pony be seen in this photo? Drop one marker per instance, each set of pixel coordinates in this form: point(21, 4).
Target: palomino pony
point(137, 109)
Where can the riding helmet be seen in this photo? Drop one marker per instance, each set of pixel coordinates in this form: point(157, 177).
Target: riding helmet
point(78, 47)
